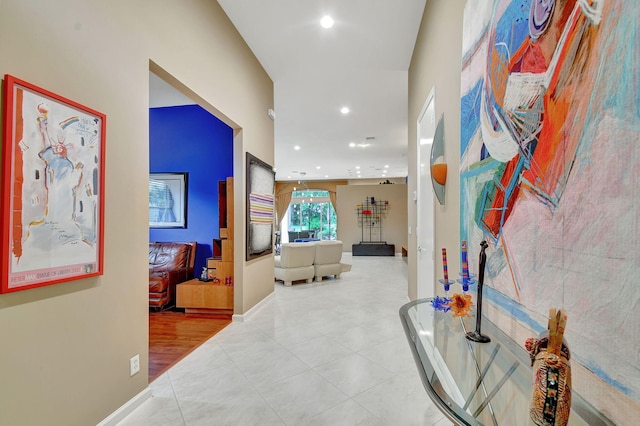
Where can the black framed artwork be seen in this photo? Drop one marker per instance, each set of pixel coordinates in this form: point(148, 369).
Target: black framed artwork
point(168, 200)
point(260, 207)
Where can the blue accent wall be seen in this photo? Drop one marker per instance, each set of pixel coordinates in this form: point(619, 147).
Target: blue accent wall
point(190, 139)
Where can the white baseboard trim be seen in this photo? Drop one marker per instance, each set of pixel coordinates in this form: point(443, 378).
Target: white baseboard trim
point(127, 408)
point(253, 310)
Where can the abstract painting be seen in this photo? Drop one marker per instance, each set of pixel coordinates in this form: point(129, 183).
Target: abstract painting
point(260, 207)
point(550, 102)
point(52, 188)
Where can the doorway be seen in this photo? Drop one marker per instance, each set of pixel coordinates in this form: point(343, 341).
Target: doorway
point(425, 230)
point(180, 126)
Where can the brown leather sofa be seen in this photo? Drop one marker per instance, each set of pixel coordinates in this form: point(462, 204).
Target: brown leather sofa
point(170, 263)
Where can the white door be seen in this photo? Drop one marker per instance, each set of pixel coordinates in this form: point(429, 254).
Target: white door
point(425, 232)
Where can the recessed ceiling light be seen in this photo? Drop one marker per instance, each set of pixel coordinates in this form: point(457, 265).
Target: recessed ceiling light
point(326, 176)
point(297, 148)
point(386, 166)
point(352, 144)
point(317, 167)
point(326, 21)
point(344, 110)
point(357, 167)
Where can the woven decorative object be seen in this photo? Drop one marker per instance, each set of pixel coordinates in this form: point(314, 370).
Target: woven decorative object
point(551, 396)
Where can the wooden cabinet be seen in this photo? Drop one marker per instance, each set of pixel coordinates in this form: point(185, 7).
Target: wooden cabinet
point(222, 269)
point(225, 208)
point(214, 296)
point(200, 297)
point(220, 266)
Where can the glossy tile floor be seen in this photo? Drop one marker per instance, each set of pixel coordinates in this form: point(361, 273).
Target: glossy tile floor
point(326, 353)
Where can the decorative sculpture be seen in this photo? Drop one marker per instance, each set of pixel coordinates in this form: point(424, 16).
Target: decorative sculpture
point(370, 215)
point(551, 396)
point(466, 278)
point(477, 335)
point(438, 167)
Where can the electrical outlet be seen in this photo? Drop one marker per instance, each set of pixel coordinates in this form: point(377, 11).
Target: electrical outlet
point(134, 365)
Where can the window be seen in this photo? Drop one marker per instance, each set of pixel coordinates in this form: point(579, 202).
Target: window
point(311, 215)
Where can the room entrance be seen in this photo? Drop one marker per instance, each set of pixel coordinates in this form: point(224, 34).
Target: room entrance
point(425, 232)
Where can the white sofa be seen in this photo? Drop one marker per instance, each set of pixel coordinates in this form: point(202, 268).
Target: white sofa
point(295, 262)
point(304, 261)
point(327, 259)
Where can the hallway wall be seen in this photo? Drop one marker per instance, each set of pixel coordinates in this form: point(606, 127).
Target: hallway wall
point(436, 64)
point(66, 347)
point(440, 42)
point(394, 221)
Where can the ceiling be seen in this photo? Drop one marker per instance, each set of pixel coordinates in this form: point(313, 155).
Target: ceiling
point(361, 62)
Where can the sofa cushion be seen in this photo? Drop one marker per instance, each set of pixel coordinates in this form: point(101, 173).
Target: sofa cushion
point(168, 256)
point(295, 255)
point(158, 283)
point(328, 252)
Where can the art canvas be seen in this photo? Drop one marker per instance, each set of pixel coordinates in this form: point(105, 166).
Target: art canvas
point(53, 188)
point(549, 169)
point(168, 200)
point(260, 207)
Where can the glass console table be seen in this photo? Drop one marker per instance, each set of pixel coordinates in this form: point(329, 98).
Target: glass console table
point(476, 383)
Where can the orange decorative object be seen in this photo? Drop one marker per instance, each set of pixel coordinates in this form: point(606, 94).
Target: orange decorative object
point(461, 305)
point(439, 173)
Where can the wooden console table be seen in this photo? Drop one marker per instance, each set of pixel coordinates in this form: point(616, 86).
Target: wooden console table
point(204, 297)
point(476, 383)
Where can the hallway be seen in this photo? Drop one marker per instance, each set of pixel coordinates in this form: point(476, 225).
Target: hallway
point(328, 353)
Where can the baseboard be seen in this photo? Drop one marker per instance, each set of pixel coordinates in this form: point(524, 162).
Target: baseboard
point(253, 310)
point(127, 408)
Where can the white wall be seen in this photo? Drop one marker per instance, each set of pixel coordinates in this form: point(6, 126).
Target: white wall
point(66, 348)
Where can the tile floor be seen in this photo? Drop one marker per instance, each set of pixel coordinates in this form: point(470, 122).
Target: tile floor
point(326, 353)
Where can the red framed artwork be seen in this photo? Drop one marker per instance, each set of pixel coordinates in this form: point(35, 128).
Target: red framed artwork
point(52, 195)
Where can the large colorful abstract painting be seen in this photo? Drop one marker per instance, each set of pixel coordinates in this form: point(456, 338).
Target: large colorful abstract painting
point(549, 169)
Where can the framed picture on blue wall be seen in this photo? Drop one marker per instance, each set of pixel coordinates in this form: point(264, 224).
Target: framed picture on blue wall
point(168, 200)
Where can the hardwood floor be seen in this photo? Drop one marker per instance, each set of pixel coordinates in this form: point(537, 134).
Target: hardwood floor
point(173, 335)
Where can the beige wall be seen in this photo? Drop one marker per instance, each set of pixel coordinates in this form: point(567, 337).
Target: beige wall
point(376, 181)
point(436, 64)
point(66, 348)
point(394, 225)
